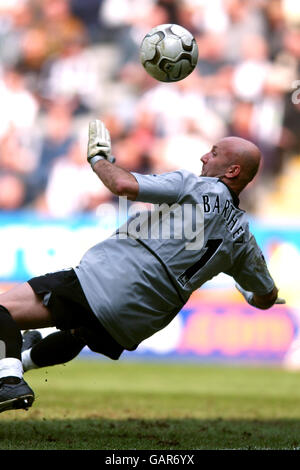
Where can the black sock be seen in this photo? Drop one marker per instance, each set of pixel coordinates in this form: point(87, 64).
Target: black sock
point(10, 335)
point(10, 380)
point(57, 348)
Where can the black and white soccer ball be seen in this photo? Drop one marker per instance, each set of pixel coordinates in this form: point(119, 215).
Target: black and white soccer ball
point(169, 53)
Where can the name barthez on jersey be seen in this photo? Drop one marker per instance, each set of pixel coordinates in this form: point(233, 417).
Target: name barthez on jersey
point(228, 211)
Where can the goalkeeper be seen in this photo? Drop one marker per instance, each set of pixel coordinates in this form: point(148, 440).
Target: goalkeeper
point(130, 286)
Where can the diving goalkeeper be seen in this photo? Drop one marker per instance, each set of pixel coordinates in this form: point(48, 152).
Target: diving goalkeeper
point(132, 285)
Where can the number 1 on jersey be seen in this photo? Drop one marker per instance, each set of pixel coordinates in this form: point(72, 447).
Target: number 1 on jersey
point(211, 246)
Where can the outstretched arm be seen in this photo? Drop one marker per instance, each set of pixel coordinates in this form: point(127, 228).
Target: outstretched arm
point(268, 300)
point(253, 279)
point(118, 180)
point(261, 301)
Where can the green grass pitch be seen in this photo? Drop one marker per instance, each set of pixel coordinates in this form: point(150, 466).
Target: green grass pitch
point(101, 404)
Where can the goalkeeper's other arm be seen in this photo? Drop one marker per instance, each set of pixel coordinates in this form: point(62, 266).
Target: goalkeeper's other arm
point(261, 301)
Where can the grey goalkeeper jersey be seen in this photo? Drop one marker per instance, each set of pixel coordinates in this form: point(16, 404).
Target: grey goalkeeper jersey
point(137, 280)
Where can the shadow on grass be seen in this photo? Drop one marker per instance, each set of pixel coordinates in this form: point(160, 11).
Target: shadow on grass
point(97, 433)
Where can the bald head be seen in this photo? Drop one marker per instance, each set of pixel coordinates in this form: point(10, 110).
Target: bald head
point(244, 153)
point(234, 160)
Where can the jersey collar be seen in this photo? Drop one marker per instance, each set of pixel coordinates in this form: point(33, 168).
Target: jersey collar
point(235, 199)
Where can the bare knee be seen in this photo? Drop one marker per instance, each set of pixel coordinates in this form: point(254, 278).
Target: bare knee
point(26, 308)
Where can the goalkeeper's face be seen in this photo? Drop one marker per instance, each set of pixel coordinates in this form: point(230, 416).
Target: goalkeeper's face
point(232, 157)
point(216, 161)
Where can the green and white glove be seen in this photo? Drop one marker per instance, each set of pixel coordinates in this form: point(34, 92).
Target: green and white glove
point(99, 143)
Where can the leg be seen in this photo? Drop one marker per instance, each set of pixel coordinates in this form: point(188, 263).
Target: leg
point(63, 346)
point(57, 348)
point(26, 308)
point(28, 312)
point(20, 308)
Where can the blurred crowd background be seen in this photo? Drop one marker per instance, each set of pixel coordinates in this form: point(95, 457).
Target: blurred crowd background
point(64, 62)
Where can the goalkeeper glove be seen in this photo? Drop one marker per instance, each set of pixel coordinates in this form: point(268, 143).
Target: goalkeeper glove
point(99, 144)
point(248, 296)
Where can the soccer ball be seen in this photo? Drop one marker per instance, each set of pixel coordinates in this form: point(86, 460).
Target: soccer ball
point(169, 53)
